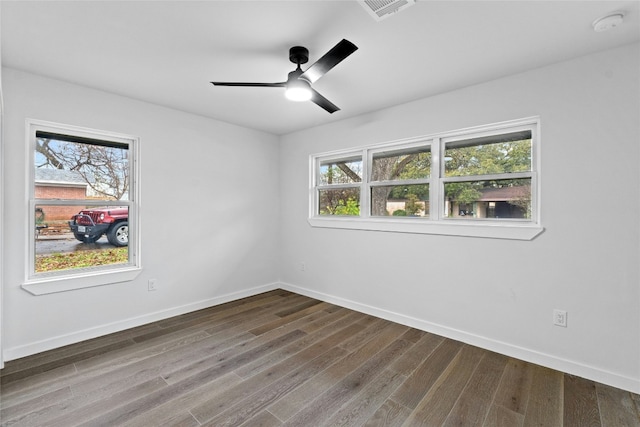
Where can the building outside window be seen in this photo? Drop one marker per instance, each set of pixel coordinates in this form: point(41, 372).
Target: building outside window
point(488, 176)
point(400, 181)
point(83, 202)
point(484, 176)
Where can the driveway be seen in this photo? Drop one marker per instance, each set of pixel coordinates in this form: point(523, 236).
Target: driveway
point(62, 243)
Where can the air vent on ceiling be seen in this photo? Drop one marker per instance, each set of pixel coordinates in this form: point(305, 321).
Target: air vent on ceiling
point(381, 9)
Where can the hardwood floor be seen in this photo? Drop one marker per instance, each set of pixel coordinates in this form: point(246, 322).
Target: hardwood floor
point(281, 359)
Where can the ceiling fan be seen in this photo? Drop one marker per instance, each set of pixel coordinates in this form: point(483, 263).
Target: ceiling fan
point(298, 84)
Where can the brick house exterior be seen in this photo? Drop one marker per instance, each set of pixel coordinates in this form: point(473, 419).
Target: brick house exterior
point(59, 184)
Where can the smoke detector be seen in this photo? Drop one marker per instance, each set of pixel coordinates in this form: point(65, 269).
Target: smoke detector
point(608, 22)
point(382, 9)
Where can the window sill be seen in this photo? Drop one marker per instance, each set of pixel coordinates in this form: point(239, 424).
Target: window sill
point(468, 228)
point(54, 284)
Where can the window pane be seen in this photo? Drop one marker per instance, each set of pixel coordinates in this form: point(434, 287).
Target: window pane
point(346, 171)
point(400, 200)
point(406, 164)
point(508, 198)
point(489, 155)
point(73, 237)
point(79, 170)
point(344, 201)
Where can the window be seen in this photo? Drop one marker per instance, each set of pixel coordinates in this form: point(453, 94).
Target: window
point(479, 182)
point(339, 186)
point(83, 228)
point(400, 180)
point(488, 177)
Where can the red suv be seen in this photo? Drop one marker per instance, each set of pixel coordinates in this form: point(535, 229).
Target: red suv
point(90, 224)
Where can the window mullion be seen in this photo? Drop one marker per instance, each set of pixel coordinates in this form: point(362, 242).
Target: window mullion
point(336, 186)
point(399, 182)
point(491, 177)
point(81, 202)
point(365, 188)
point(435, 187)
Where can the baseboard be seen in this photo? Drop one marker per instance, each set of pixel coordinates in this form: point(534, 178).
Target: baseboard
point(528, 355)
point(90, 333)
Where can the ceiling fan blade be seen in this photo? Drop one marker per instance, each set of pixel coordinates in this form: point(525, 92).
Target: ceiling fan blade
point(282, 84)
point(323, 102)
point(329, 60)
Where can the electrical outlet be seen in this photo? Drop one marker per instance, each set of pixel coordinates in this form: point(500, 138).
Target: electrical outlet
point(153, 284)
point(560, 318)
point(302, 266)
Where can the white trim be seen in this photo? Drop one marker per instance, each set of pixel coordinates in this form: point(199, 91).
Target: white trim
point(82, 202)
point(449, 227)
point(45, 283)
point(121, 325)
point(436, 223)
point(564, 365)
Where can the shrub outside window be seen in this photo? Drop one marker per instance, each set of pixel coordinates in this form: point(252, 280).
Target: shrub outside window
point(339, 186)
point(83, 207)
point(484, 178)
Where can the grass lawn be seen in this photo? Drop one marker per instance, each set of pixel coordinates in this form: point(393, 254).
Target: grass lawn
point(81, 259)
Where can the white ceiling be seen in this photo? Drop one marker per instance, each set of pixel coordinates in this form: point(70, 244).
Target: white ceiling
point(167, 52)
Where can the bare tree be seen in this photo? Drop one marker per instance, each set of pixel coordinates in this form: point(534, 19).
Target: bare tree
point(104, 168)
point(50, 156)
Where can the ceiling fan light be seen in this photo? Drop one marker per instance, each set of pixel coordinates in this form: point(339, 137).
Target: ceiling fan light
point(298, 94)
point(298, 90)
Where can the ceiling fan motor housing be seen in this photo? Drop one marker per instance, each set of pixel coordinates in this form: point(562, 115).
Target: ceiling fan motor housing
point(299, 82)
point(299, 55)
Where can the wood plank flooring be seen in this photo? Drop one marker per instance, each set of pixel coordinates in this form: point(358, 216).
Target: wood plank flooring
point(281, 359)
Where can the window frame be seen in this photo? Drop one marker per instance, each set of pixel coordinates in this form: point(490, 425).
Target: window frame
point(315, 171)
point(65, 280)
point(491, 177)
point(437, 223)
point(399, 147)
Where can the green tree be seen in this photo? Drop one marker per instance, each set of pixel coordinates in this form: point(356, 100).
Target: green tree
point(460, 160)
point(487, 159)
point(404, 166)
point(340, 201)
point(351, 207)
point(331, 200)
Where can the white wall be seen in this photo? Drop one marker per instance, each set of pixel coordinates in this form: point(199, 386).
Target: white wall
point(500, 294)
point(192, 170)
point(495, 293)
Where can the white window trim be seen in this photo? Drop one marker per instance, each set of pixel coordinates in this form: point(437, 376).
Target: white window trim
point(46, 283)
point(2, 237)
point(437, 224)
